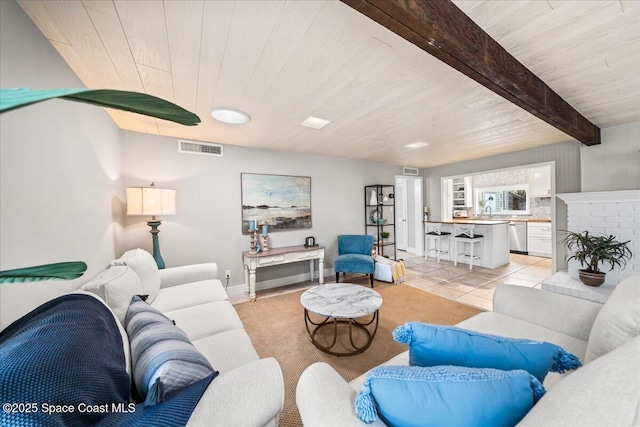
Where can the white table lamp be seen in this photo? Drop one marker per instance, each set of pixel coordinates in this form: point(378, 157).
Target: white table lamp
point(152, 201)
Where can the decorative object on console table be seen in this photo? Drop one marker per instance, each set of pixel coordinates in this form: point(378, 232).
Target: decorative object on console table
point(251, 224)
point(265, 238)
point(152, 201)
point(281, 201)
point(252, 238)
point(592, 250)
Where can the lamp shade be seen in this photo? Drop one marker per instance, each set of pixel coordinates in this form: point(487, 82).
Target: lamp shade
point(151, 201)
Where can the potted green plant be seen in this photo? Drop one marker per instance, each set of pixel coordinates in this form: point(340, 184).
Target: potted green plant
point(482, 203)
point(591, 250)
point(384, 235)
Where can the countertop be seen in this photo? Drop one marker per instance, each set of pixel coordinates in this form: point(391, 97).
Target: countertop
point(490, 221)
point(470, 221)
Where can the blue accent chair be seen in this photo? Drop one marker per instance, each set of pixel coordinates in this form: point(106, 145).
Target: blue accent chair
point(354, 255)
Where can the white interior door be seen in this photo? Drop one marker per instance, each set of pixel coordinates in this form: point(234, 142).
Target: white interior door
point(401, 215)
point(418, 216)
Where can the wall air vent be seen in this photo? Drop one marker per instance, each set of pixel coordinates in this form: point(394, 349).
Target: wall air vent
point(410, 171)
point(196, 147)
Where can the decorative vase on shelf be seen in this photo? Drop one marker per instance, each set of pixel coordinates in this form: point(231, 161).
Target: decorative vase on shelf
point(374, 199)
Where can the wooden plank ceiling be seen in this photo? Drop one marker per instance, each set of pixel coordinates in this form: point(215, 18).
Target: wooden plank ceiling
point(282, 61)
point(441, 29)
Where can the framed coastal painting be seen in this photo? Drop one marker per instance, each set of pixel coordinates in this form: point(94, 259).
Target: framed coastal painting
point(282, 202)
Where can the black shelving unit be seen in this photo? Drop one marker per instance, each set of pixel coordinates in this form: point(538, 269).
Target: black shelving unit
point(379, 216)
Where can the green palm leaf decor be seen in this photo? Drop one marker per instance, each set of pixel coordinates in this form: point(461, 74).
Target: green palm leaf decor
point(134, 102)
point(58, 271)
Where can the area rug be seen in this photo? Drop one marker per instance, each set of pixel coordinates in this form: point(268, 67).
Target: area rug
point(276, 327)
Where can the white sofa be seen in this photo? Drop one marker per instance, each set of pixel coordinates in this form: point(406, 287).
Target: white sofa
point(249, 391)
point(604, 392)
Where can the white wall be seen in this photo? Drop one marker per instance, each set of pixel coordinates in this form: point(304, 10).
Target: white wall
point(614, 164)
point(207, 227)
point(60, 188)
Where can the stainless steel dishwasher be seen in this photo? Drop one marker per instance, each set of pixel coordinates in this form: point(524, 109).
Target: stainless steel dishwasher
point(518, 237)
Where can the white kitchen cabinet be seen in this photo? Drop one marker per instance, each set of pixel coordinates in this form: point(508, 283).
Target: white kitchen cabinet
point(461, 192)
point(540, 181)
point(539, 242)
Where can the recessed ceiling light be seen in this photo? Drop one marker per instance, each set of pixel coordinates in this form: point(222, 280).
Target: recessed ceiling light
point(314, 122)
point(417, 145)
point(230, 116)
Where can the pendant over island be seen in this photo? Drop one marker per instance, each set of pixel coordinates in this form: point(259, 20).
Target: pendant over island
point(495, 245)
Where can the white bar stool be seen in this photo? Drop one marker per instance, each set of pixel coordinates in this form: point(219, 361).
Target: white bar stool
point(433, 232)
point(464, 234)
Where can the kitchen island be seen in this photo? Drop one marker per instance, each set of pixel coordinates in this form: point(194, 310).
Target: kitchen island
point(495, 247)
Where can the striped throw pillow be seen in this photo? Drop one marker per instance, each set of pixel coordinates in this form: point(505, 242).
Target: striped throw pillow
point(163, 358)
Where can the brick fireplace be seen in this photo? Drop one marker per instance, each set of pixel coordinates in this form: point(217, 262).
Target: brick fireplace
point(606, 212)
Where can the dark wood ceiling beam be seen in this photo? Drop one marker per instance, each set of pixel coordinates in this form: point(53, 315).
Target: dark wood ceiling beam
point(444, 31)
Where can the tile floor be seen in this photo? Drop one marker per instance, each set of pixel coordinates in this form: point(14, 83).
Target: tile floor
point(472, 287)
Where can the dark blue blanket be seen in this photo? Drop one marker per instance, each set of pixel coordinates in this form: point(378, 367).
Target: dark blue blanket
point(63, 364)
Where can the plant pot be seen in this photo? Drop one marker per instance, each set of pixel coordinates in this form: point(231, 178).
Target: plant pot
point(591, 279)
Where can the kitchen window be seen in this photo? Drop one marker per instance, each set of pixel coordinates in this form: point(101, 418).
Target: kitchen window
point(503, 200)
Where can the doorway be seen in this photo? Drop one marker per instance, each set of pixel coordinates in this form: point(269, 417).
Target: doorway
point(408, 205)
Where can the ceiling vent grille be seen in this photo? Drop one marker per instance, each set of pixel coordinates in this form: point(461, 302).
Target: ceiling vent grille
point(204, 148)
point(410, 171)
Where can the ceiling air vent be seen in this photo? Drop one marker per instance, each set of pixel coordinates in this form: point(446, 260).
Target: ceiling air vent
point(410, 171)
point(195, 147)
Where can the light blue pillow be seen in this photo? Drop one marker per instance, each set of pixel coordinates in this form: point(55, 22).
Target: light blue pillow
point(163, 358)
point(442, 396)
point(432, 345)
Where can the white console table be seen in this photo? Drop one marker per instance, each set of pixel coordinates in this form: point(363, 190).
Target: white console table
point(279, 256)
point(561, 283)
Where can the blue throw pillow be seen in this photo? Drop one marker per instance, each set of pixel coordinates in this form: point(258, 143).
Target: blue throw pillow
point(432, 345)
point(163, 358)
point(442, 396)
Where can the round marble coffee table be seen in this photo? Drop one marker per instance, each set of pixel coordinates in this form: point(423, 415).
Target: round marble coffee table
point(341, 303)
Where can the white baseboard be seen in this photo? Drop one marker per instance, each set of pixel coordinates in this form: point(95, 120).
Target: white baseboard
point(414, 251)
point(237, 290)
